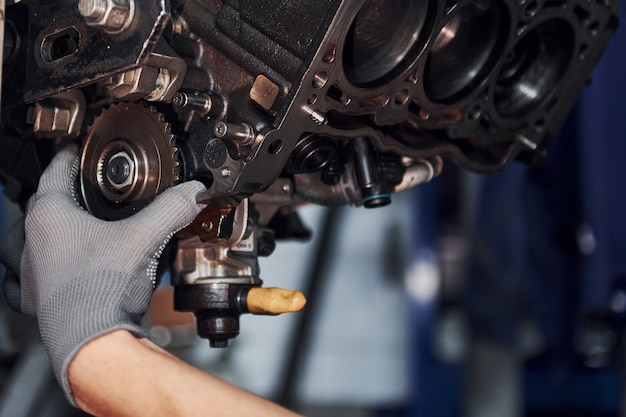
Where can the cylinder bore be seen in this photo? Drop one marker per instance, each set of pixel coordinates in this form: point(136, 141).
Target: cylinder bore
point(533, 68)
point(381, 38)
point(464, 50)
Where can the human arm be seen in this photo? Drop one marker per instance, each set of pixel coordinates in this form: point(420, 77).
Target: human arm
point(120, 375)
point(88, 281)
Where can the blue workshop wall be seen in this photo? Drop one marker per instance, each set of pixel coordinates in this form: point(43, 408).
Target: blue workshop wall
point(555, 238)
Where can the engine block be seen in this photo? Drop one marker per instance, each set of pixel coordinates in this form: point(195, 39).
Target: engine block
point(274, 103)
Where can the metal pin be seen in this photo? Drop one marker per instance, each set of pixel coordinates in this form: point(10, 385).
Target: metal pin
point(318, 117)
point(204, 104)
point(241, 133)
point(527, 142)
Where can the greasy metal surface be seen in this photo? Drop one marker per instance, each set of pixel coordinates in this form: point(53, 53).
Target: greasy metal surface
point(462, 88)
point(60, 51)
point(488, 81)
point(333, 102)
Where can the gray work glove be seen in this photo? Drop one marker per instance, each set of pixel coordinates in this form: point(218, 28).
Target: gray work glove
point(81, 276)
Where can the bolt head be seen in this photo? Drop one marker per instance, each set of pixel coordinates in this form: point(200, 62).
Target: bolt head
point(221, 129)
point(180, 100)
point(92, 9)
point(49, 121)
point(134, 84)
point(207, 226)
point(225, 172)
point(112, 16)
point(120, 171)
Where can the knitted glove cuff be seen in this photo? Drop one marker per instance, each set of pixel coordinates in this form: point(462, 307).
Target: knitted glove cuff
point(85, 309)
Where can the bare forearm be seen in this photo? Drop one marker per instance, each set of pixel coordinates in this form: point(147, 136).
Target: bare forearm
point(120, 375)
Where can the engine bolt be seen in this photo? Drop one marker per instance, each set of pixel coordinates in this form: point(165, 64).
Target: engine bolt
point(220, 129)
point(120, 171)
point(204, 104)
point(112, 16)
point(318, 117)
point(207, 226)
point(242, 133)
point(225, 172)
point(92, 9)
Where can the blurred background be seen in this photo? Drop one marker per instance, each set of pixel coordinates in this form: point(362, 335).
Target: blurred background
point(500, 295)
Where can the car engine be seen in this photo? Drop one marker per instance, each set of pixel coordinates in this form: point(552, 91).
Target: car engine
point(275, 104)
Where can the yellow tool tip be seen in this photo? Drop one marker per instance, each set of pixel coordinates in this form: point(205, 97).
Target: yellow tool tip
point(274, 301)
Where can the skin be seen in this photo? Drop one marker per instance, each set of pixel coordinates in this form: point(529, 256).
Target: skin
point(118, 374)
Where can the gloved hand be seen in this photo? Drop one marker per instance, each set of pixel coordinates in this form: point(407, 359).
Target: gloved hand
point(81, 276)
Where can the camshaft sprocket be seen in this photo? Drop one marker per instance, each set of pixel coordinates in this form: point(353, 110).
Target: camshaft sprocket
point(129, 156)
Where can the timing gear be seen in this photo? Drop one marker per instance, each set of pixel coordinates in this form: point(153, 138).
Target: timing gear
point(129, 156)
